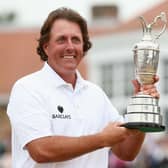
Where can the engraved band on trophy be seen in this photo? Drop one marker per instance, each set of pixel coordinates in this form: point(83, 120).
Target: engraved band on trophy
point(143, 111)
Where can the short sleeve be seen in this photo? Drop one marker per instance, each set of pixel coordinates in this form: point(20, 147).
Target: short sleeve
point(112, 115)
point(28, 116)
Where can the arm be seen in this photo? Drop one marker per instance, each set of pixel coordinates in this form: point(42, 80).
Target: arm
point(61, 148)
point(129, 148)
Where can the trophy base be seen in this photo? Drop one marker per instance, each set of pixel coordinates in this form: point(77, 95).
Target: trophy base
point(143, 113)
point(145, 127)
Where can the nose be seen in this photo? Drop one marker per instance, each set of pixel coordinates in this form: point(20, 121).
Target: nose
point(70, 45)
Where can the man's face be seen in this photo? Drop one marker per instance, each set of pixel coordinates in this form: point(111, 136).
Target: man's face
point(65, 47)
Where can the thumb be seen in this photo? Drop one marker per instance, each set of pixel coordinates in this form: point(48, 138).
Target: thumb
point(136, 85)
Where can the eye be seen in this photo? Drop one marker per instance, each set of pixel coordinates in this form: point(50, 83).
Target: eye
point(76, 40)
point(60, 40)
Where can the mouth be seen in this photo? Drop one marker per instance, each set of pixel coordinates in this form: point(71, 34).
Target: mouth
point(69, 56)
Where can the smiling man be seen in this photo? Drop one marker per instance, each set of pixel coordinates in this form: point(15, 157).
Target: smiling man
point(60, 120)
point(65, 49)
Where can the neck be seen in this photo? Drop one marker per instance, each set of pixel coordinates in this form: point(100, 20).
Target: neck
point(69, 78)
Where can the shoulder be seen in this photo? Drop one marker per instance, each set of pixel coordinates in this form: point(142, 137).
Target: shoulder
point(29, 78)
point(26, 90)
point(28, 82)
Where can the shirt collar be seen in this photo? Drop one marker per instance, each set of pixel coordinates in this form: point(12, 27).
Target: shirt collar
point(58, 81)
point(80, 82)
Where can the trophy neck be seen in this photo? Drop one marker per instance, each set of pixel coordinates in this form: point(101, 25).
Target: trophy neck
point(147, 36)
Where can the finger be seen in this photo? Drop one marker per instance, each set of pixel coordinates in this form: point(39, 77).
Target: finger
point(150, 90)
point(156, 78)
point(153, 92)
point(156, 95)
point(148, 87)
point(136, 85)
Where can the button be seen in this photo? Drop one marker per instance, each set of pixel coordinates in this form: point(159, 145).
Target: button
point(76, 106)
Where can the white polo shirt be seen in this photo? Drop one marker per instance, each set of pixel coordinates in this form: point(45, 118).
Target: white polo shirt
point(43, 104)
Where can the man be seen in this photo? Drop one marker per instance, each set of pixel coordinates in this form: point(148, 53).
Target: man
point(59, 119)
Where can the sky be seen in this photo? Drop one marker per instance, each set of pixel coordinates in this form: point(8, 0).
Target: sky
point(32, 13)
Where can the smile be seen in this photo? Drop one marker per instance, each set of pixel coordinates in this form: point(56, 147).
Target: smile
point(69, 56)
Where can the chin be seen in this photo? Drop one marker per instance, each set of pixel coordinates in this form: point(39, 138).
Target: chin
point(71, 67)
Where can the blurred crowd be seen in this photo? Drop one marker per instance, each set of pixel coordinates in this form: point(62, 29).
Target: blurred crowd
point(5, 152)
point(154, 154)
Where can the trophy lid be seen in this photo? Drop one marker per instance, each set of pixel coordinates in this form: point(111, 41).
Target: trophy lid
point(148, 41)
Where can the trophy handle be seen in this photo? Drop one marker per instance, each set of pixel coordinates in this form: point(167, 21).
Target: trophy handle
point(143, 23)
point(163, 18)
point(147, 28)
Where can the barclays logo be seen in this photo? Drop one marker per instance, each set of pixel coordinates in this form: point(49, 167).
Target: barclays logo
point(61, 115)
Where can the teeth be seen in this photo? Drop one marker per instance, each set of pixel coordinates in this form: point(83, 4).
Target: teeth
point(69, 56)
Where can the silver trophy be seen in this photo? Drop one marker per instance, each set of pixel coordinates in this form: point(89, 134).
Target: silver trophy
point(143, 111)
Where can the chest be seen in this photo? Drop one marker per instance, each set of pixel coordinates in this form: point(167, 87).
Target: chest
point(74, 114)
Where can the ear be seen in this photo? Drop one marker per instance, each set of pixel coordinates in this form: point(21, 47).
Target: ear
point(45, 48)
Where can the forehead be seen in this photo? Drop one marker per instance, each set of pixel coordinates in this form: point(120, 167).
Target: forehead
point(63, 27)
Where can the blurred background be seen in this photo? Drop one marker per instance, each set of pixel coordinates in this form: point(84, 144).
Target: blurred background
point(114, 28)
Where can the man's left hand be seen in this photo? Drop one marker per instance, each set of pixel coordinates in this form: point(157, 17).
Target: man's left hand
point(149, 89)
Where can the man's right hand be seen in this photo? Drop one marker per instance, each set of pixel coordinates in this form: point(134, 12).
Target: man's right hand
point(114, 133)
